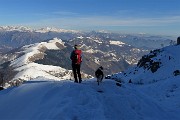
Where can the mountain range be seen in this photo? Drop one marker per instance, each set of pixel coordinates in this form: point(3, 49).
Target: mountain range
point(12, 37)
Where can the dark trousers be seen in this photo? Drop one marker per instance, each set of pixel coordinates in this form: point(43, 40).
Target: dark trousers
point(76, 72)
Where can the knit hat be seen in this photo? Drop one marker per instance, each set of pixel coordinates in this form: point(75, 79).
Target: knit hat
point(76, 46)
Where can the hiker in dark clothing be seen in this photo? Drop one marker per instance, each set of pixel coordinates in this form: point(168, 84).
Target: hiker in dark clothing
point(76, 63)
point(99, 74)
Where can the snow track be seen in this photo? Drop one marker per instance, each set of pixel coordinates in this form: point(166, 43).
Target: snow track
point(66, 100)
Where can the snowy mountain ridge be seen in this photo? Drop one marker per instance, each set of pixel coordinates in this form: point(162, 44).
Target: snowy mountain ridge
point(159, 64)
point(15, 28)
point(36, 49)
point(52, 29)
point(40, 30)
point(25, 63)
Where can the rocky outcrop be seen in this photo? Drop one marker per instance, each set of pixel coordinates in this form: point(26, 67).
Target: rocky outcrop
point(147, 61)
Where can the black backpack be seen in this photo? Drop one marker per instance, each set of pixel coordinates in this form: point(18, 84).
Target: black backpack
point(75, 57)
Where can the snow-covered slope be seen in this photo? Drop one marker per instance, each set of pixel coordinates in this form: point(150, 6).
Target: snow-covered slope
point(158, 65)
point(65, 100)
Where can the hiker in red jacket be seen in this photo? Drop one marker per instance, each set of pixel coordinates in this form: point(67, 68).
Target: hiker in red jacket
point(76, 63)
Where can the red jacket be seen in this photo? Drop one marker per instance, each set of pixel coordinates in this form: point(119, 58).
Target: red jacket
point(79, 57)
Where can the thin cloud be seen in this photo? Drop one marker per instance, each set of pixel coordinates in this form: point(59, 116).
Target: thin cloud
point(111, 21)
point(104, 21)
point(64, 13)
point(159, 25)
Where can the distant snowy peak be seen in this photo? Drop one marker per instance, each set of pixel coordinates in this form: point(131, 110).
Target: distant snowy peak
point(53, 44)
point(80, 37)
point(49, 29)
point(104, 31)
point(116, 43)
point(36, 51)
point(41, 30)
point(15, 28)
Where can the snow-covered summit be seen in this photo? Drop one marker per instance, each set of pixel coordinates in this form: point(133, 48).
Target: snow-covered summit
point(36, 51)
point(116, 42)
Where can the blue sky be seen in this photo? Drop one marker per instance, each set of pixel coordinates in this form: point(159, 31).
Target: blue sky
point(126, 16)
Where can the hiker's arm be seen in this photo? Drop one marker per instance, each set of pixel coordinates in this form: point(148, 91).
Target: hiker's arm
point(71, 55)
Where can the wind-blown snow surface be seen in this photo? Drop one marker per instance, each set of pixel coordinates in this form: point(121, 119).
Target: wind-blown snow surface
point(42, 99)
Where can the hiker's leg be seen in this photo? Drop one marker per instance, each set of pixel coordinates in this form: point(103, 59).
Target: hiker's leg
point(100, 78)
point(79, 73)
point(74, 73)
